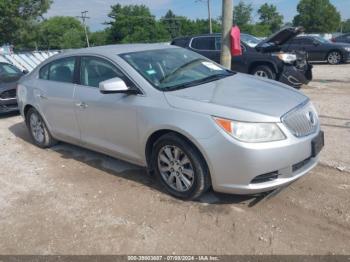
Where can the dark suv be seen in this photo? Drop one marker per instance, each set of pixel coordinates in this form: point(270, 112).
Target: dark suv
point(260, 58)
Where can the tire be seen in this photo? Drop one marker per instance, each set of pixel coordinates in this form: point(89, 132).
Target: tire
point(188, 178)
point(334, 58)
point(264, 71)
point(38, 130)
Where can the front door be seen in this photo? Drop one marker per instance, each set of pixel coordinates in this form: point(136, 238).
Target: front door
point(108, 122)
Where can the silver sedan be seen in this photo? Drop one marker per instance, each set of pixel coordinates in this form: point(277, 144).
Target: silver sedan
point(191, 122)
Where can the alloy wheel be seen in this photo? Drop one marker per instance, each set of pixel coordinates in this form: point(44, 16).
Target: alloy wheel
point(175, 168)
point(37, 128)
point(334, 58)
point(261, 73)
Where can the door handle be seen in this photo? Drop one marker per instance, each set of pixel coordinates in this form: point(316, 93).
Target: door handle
point(82, 105)
point(42, 97)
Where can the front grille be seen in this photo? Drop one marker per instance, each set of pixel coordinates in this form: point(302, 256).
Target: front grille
point(8, 94)
point(301, 121)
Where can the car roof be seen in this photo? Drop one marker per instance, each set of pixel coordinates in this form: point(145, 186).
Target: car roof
point(117, 49)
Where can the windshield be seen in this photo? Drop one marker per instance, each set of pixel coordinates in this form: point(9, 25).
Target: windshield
point(321, 39)
point(8, 70)
point(175, 68)
point(250, 40)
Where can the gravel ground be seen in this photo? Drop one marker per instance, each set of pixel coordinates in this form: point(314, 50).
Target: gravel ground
point(68, 200)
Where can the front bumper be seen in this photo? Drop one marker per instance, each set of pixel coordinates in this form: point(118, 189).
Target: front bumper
point(295, 77)
point(8, 105)
point(247, 168)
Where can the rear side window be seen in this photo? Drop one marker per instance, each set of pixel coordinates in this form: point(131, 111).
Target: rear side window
point(203, 43)
point(217, 43)
point(61, 70)
point(44, 72)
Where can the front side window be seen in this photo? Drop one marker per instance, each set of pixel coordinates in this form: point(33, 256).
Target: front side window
point(175, 68)
point(62, 70)
point(95, 70)
point(203, 43)
point(319, 39)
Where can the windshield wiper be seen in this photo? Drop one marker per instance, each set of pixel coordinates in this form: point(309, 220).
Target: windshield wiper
point(200, 81)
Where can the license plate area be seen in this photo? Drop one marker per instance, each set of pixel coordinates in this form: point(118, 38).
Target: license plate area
point(317, 144)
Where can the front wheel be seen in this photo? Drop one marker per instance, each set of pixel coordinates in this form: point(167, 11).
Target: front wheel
point(334, 58)
point(38, 129)
point(179, 167)
point(264, 71)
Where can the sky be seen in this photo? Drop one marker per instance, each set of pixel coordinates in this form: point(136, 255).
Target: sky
point(99, 9)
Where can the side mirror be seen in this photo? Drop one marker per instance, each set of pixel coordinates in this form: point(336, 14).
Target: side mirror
point(316, 43)
point(114, 85)
point(25, 71)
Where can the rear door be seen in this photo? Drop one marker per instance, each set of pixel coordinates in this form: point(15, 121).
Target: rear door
point(107, 121)
point(206, 46)
point(54, 91)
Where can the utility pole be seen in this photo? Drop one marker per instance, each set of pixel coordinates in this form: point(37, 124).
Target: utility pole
point(209, 14)
point(227, 21)
point(209, 18)
point(83, 17)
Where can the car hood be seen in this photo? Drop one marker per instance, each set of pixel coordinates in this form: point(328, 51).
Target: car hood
point(239, 97)
point(275, 41)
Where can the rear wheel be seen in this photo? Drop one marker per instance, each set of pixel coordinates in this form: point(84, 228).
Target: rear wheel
point(38, 129)
point(264, 71)
point(334, 58)
point(179, 167)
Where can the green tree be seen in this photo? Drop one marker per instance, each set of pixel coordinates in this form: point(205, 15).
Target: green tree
point(269, 16)
point(18, 19)
point(317, 16)
point(242, 15)
point(135, 23)
point(61, 32)
point(99, 38)
point(172, 24)
point(346, 26)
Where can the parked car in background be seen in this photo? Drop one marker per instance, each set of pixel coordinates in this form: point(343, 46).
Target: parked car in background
point(319, 49)
point(9, 75)
point(258, 57)
point(188, 119)
point(344, 38)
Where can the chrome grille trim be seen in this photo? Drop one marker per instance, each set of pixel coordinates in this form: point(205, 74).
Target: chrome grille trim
point(302, 120)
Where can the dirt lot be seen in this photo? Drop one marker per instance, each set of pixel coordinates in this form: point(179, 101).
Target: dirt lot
point(69, 200)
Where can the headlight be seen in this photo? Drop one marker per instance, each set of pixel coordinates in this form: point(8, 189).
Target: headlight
point(347, 49)
point(251, 132)
point(287, 58)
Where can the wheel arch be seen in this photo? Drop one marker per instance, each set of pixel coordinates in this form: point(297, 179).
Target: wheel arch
point(255, 64)
point(155, 135)
point(26, 109)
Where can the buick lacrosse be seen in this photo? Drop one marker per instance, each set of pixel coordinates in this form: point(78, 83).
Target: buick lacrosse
point(191, 122)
